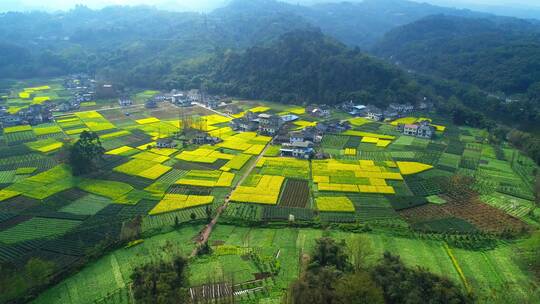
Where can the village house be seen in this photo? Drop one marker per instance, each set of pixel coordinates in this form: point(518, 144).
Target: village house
point(232, 110)
point(202, 138)
point(421, 129)
point(193, 95)
point(160, 97)
point(301, 149)
point(269, 124)
point(211, 102)
point(410, 129)
point(347, 106)
point(333, 126)
point(165, 143)
point(181, 99)
point(125, 101)
point(374, 113)
point(247, 123)
point(319, 111)
point(311, 134)
point(10, 120)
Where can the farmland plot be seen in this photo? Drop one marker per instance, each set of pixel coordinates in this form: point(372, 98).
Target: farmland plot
point(295, 194)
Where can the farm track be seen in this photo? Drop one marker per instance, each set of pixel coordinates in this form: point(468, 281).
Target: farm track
point(204, 235)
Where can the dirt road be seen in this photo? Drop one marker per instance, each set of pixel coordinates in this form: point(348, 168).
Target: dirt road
point(204, 235)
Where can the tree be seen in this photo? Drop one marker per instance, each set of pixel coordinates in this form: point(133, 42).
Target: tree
point(314, 287)
point(357, 287)
point(330, 253)
point(85, 153)
point(360, 250)
point(401, 284)
point(162, 282)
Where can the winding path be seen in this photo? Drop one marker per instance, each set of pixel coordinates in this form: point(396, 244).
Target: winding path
point(204, 235)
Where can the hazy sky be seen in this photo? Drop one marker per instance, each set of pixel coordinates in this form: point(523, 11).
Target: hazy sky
point(209, 4)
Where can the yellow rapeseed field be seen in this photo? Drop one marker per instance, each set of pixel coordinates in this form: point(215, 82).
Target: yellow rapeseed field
point(334, 204)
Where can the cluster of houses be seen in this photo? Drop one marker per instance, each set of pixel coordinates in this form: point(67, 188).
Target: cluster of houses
point(265, 124)
point(33, 115)
point(82, 89)
point(393, 111)
point(295, 143)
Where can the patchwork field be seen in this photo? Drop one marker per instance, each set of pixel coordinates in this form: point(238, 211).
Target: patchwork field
point(411, 193)
point(484, 272)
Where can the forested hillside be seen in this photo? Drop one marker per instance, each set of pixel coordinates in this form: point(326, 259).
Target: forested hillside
point(122, 43)
point(139, 46)
point(307, 66)
point(495, 54)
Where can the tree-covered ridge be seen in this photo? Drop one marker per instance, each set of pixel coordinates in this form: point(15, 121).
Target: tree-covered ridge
point(498, 55)
point(117, 43)
point(307, 66)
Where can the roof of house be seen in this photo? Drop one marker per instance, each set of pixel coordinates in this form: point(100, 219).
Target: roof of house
point(264, 115)
point(299, 144)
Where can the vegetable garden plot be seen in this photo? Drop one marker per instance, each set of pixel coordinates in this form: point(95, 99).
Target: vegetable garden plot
point(141, 209)
point(331, 141)
point(12, 139)
point(87, 205)
point(352, 142)
point(278, 213)
point(375, 156)
point(47, 129)
point(449, 160)
point(7, 177)
point(422, 187)
point(295, 194)
point(45, 145)
point(428, 157)
point(36, 228)
point(369, 127)
point(12, 253)
point(111, 189)
point(189, 190)
point(445, 225)
point(163, 183)
point(95, 121)
point(244, 211)
point(484, 217)
point(337, 217)
point(168, 220)
point(406, 202)
point(43, 185)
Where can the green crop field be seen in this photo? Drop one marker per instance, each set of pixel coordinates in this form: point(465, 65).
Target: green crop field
point(483, 270)
point(413, 195)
